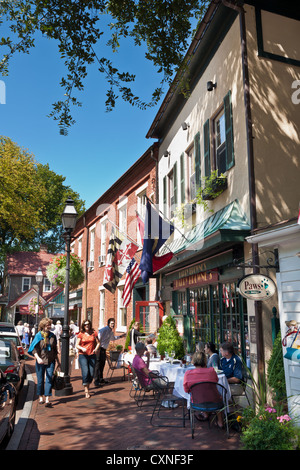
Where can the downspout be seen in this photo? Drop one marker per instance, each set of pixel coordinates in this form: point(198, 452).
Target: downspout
point(251, 176)
point(85, 269)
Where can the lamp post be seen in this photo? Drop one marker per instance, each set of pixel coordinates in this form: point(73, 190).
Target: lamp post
point(68, 217)
point(38, 278)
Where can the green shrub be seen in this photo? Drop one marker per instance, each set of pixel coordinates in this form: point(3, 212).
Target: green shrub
point(275, 372)
point(169, 339)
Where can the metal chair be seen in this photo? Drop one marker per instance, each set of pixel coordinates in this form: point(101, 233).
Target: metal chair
point(145, 393)
point(112, 362)
point(209, 397)
point(166, 403)
point(240, 390)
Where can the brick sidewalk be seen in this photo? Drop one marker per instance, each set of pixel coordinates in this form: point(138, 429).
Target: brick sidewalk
point(110, 420)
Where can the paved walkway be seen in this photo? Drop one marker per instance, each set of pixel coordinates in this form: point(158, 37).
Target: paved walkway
point(109, 420)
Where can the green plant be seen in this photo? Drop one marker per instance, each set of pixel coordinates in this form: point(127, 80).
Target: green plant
point(275, 372)
point(169, 338)
point(212, 186)
point(56, 271)
point(119, 347)
point(265, 428)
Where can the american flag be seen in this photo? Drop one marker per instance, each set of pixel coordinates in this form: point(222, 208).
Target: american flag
point(132, 274)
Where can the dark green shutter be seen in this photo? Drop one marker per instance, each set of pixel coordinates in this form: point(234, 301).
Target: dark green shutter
point(207, 165)
point(197, 160)
point(175, 183)
point(182, 182)
point(229, 131)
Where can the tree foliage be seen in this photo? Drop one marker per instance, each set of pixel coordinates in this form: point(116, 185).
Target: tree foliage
point(32, 199)
point(78, 26)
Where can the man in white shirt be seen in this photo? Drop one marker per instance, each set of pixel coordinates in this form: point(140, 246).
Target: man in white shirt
point(105, 335)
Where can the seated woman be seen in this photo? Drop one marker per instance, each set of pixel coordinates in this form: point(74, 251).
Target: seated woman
point(213, 356)
point(145, 376)
point(152, 349)
point(203, 374)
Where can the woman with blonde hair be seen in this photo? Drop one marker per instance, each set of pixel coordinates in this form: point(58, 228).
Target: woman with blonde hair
point(44, 349)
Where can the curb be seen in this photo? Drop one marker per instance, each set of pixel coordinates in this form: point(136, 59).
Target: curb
point(16, 437)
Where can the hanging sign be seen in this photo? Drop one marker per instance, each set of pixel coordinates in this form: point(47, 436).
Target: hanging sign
point(256, 287)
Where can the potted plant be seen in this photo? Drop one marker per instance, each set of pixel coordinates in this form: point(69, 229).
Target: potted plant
point(169, 339)
point(275, 374)
point(56, 271)
point(212, 187)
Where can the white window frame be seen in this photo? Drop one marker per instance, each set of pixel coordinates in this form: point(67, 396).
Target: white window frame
point(141, 195)
point(91, 260)
point(103, 241)
point(23, 283)
point(101, 307)
point(191, 173)
point(47, 285)
point(79, 253)
point(122, 208)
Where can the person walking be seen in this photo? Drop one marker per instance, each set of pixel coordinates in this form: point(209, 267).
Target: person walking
point(87, 346)
point(44, 348)
point(105, 335)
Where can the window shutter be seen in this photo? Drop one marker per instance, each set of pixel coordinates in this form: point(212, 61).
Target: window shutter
point(182, 181)
point(207, 166)
point(229, 131)
point(175, 183)
point(197, 160)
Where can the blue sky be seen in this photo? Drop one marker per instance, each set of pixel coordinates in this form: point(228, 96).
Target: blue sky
point(101, 146)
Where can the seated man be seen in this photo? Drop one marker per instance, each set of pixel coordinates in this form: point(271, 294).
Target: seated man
point(231, 365)
point(145, 376)
point(152, 349)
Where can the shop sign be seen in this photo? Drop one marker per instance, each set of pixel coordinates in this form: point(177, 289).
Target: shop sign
point(256, 287)
point(196, 280)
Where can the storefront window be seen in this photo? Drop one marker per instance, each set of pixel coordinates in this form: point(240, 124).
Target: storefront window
point(220, 314)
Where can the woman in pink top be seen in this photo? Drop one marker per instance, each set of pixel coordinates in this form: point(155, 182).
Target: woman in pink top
point(203, 374)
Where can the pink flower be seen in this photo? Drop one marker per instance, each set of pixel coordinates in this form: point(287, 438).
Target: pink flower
point(284, 418)
point(270, 410)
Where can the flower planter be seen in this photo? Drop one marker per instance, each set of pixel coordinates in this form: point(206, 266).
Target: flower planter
point(114, 355)
point(216, 188)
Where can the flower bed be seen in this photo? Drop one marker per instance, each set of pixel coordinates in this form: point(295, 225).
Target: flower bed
point(56, 271)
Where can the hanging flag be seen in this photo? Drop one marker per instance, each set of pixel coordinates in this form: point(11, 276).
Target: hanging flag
point(124, 254)
point(133, 272)
point(156, 233)
point(111, 277)
point(158, 262)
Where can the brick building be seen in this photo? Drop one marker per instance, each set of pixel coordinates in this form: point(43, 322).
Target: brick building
point(117, 208)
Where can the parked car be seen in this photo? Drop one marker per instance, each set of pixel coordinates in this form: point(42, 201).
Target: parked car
point(9, 335)
point(8, 405)
point(5, 326)
point(10, 362)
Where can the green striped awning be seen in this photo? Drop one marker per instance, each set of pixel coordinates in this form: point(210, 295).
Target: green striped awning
point(228, 224)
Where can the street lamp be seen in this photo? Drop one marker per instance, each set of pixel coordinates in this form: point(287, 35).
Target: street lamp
point(38, 278)
point(69, 217)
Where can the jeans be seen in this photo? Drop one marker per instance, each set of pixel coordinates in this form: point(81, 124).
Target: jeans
point(44, 387)
point(87, 365)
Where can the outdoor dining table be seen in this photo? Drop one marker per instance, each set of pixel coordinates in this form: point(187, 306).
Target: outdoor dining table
point(175, 373)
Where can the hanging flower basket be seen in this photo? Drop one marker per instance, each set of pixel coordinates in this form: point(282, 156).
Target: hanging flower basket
point(32, 306)
point(56, 271)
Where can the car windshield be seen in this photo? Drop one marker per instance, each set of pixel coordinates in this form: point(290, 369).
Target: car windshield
point(5, 350)
point(7, 328)
point(15, 339)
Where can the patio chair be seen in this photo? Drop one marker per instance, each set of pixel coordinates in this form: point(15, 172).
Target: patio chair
point(208, 397)
point(240, 390)
point(135, 385)
point(114, 363)
point(145, 394)
point(165, 412)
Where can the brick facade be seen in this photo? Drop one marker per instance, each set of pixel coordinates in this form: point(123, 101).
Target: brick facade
point(139, 180)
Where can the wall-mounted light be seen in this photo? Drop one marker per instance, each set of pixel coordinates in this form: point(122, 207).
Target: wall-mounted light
point(167, 153)
point(185, 126)
point(210, 86)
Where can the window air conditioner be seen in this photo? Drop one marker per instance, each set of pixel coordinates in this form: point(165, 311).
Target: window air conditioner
point(90, 264)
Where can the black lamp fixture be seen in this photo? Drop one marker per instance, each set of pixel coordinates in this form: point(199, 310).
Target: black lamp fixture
point(167, 153)
point(69, 217)
point(38, 278)
point(210, 85)
point(185, 126)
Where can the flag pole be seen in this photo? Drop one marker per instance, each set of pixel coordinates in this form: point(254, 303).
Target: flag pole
point(166, 218)
point(125, 234)
point(165, 245)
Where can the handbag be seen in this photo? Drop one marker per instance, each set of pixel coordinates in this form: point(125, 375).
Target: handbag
point(58, 381)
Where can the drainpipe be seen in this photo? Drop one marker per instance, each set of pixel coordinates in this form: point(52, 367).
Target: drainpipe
point(251, 175)
point(85, 269)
